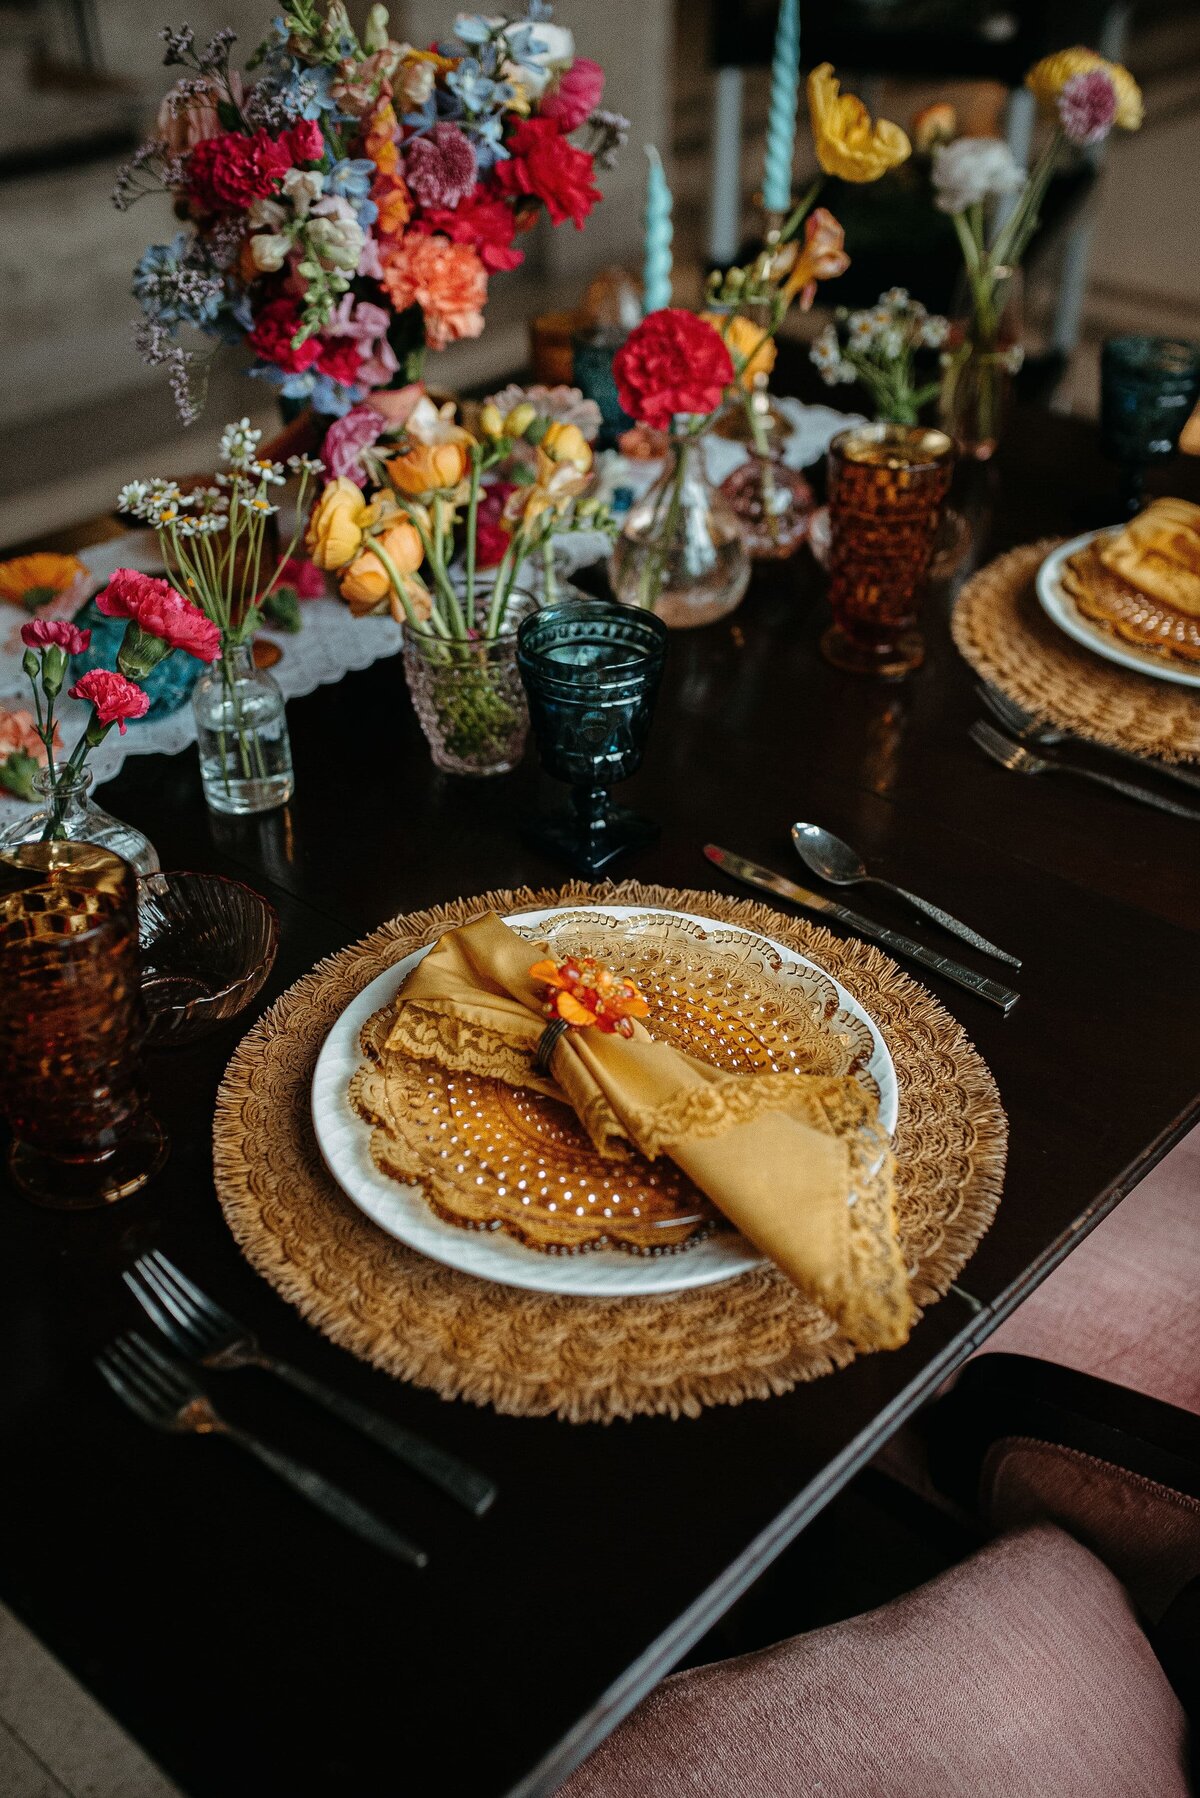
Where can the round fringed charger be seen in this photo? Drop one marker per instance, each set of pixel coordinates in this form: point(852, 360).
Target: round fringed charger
point(1001, 630)
point(587, 1359)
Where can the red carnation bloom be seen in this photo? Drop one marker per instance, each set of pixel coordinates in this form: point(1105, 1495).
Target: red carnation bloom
point(491, 538)
point(544, 165)
point(57, 633)
point(225, 173)
point(160, 611)
point(574, 95)
point(271, 338)
point(484, 222)
point(672, 362)
point(305, 141)
point(341, 359)
point(115, 699)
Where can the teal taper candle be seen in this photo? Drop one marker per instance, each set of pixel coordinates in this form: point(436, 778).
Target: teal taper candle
point(656, 268)
point(781, 120)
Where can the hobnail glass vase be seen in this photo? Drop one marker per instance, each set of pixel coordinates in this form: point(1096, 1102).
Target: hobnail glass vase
point(681, 553)
point(468, 696)
point(242, 734)
point(68, 815)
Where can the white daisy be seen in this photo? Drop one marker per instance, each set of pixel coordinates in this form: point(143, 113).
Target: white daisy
point(239, 442)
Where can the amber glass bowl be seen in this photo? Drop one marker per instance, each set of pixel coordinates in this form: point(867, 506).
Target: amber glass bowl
point(208, 944)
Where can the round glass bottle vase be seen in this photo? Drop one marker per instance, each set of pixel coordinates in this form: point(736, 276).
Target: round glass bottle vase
point(242, 734)
point(681, 553)
point(67, 814)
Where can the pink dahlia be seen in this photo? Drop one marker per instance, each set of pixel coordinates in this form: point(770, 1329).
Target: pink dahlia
point(113, 698)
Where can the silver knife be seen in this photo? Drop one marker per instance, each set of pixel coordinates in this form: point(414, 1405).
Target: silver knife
point(767, 882)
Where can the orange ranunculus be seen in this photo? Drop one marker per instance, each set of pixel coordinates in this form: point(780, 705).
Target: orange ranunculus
point(747, 343)
point(567, 443)
point(584, 992)
point(427, 467)
point(847, 142)
point(822, 257)
point(1047, 78)
point(32, 581)
point(446, 280)
point(367, 582)
point(335, 530)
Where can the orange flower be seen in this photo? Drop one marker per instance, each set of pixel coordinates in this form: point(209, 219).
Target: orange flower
point(584, 992)
point(33, 581)
point(446, 280)
point(427, 468)
point(395, 206)
point(747, 342)
point(822, 257)
point(379, 140)
point(18, 736)
point(367, 581)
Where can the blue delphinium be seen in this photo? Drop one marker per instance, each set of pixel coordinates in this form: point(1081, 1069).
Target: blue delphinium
point(351, 180)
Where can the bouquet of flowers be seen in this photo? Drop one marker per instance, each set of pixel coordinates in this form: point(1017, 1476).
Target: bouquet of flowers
point(878, 347)
point(345, 206)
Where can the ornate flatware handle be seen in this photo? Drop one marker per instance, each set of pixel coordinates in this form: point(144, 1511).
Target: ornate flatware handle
point(1129, 788)
point(984, 988)
point(954, 925)
point(471, 1489)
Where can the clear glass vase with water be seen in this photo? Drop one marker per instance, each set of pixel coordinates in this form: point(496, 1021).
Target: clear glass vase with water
point(242, 735)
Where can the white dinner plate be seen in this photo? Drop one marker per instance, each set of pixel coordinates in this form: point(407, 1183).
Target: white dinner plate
point(344, 1139)
point(1058, 606)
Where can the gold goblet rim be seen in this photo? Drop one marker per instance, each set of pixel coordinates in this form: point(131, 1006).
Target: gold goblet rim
point(921, 446)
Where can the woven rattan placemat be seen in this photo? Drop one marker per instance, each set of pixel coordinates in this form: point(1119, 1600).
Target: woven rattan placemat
point(1002, 631)
point(579, 1358)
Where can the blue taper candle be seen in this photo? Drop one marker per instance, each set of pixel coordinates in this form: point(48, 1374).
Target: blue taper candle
point(656, 267)
point(781, 120)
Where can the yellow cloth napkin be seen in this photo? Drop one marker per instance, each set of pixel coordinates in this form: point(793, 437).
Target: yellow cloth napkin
point(797, 1162)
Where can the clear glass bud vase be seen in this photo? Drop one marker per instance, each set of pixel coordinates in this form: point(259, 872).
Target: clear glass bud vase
point(681, 553)
point(68, 815)
point(242, 734)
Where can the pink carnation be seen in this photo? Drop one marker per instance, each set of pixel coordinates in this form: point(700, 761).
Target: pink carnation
point(439, 169)
point(44, 633)
point(575, 95)
point(114, 698)
point(160, 611)
point(346, 438)
point(1087, 106)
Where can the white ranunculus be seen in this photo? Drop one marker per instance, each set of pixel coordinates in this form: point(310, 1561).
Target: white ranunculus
point(972, 169)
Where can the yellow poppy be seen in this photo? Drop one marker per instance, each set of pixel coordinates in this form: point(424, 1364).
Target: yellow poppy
point(1046, 80)
point(847, 143)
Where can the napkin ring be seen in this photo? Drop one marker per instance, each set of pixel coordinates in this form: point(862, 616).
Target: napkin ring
point(547, 1043)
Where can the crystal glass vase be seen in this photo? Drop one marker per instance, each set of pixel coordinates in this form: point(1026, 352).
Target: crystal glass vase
point(242, 734)
point(982, 355)
point(681, 553)
point(68, 815)
point(467, 693)
point(773, 504)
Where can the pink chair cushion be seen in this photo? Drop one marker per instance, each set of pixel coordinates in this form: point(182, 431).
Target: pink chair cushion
point(1023, 1672)
point(1146, 1533)
point(1125, 1305)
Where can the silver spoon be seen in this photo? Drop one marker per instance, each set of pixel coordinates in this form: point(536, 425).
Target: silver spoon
point(835, 861)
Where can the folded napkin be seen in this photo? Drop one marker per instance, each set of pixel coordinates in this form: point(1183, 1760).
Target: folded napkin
point(797, 1162)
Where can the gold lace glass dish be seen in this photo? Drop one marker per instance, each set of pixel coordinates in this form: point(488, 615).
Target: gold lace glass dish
point(491, 1156)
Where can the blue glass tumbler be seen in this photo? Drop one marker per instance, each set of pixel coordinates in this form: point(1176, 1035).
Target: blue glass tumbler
point(1148, 387)
point(591, 670)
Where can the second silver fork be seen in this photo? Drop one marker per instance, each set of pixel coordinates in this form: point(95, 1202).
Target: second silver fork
point(1021, 760)
point(198, 1328)
point(1031, 729)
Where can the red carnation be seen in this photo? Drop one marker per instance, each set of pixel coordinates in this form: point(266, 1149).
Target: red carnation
point(225, 173)
point(491, 537)
point(482, 221)
point(271, 338)
point(305, 141)
point(115, 699)
point(543, 164)
point(672, 362)
point(574, 95)
point(56, 633)
point(341, 359)
point(156, 608)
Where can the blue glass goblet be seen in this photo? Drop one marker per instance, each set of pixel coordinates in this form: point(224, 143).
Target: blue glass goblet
point(1148, 387)
point(591, 670)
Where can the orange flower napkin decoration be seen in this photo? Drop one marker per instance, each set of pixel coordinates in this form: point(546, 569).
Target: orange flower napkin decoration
point(584, 993)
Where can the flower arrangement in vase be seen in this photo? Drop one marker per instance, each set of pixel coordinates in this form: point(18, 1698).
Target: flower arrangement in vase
point(878, 347)
point(412, 545)
point(214, 544)
point(1084, 96)
point(345, 204)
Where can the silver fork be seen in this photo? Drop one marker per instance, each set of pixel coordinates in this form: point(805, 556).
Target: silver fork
point(198, 1327)
point(1031, 729)
point(163, 1394)
point(1012, 755)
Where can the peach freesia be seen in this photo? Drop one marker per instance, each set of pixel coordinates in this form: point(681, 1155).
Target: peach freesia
point(446, 280)
point(822, 257)
point(847, 141)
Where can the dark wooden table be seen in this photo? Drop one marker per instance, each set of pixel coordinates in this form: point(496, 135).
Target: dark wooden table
point(256, 1650)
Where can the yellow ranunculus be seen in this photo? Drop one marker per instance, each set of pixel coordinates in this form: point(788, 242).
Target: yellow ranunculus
point(491, 420)
point(366, 582)
point(743, 338)
point(335, 529)
point(427, 467)
point(567, 443)
point(847, 142)
point(1046, 80)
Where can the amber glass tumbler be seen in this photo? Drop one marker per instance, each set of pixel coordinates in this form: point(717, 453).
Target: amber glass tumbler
point(71, 1026)
point(887, 485)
